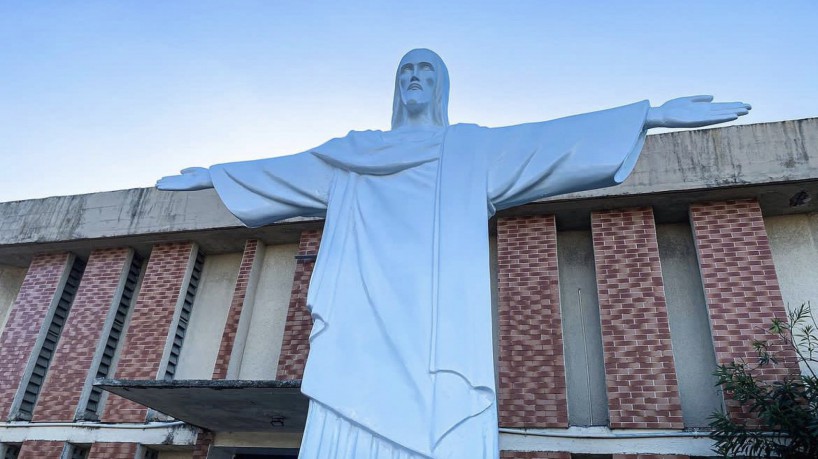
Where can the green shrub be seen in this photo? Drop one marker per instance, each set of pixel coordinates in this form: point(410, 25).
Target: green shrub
point(783, 418)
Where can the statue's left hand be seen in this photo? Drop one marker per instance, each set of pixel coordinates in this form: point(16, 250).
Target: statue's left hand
point(694, 111)
point(191, 179)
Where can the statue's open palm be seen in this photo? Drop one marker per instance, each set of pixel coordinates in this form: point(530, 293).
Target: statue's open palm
point(191, 179)
point(694, 111)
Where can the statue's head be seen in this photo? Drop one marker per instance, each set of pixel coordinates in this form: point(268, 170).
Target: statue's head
point(421, 88)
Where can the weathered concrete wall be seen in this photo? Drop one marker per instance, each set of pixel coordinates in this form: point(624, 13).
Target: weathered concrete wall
point(688, 160)
point(723, 157)
point(794, 244)
point(269, 313)
point(204, 332)
point(582, 333)
point(11, 278)
point(693, 351)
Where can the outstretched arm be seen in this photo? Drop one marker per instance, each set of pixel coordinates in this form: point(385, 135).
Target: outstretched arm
point(191, 179)
point(694, 111)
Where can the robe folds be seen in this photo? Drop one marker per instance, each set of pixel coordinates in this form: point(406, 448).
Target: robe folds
point(402, 340)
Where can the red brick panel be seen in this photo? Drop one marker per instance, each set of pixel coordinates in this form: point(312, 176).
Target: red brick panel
point(649, 456)
point(149, 326)
point(41, 450)
point(532, 390)
point(639, 369)
point(296, 343)
point(113, 451)
point(60, 395)
point(534, 455)
point(740, 284)
point(231, 327)
point(203, 442)
point(26, 319)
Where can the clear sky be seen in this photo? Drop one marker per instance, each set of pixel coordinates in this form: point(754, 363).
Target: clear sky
point(106, 95)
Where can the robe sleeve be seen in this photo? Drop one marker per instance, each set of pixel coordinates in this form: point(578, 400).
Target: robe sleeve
point(268, 190)
point(583, 152)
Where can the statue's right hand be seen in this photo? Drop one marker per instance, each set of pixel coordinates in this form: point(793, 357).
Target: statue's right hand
point(191, 179)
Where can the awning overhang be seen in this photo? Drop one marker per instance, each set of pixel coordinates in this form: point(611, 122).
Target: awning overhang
point(220, 405)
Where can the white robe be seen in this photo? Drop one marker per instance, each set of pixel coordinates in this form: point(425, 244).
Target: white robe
point(402, 341)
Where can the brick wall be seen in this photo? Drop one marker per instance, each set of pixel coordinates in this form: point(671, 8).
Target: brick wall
point(72, 360)
point(296, 344)
point(639, 369)
point(41, 450)
point(532, 390)
point(113, 451)
point(149, 326)
point(741, 287)
point(203, 442)
point(25, 321)
point(231, 327)
point(534, 455)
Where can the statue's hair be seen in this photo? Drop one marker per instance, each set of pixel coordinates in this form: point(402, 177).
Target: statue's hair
point(440, 107)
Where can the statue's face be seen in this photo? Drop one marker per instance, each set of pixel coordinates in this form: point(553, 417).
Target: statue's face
point(418, 77)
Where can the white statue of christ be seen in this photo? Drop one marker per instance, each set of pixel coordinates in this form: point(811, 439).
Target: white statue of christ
point(401, 359)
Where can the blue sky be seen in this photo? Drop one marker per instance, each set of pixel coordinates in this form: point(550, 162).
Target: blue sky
point(105, 95)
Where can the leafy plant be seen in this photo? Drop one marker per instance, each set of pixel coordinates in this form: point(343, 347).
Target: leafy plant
point(782, 416)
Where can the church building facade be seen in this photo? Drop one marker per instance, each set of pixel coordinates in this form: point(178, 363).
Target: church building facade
point(142, 324)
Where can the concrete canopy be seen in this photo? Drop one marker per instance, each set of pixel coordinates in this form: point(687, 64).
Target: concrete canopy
point(221, 405)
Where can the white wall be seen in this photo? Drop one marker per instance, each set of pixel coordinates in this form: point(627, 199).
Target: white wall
point(272, 297)
point(209, 314)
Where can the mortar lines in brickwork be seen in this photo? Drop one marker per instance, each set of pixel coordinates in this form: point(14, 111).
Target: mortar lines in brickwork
point(532, 391)
point(253, 252)
point(741, 287)
point(26, 318)
point(146, 338)
point(83, 330)
point(295, 345)
point(639, 367)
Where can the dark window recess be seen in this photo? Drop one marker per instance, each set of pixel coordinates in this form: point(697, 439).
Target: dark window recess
point(150, 454)
point(184, 317)
point(46, 351)
point(11, 451)
point(114, 336)
point(78, 451)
